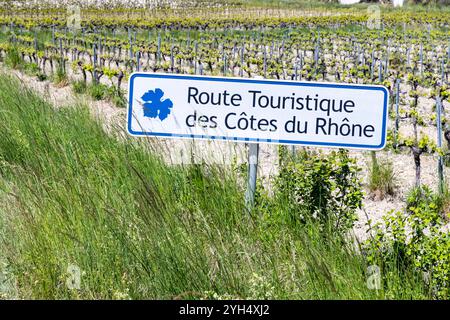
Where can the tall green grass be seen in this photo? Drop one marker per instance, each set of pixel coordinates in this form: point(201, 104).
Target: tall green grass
point(136, 228)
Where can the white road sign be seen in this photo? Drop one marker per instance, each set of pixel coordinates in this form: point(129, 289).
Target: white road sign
point(253, 110)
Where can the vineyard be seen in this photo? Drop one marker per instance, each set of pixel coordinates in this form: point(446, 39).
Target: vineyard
point(141, 226)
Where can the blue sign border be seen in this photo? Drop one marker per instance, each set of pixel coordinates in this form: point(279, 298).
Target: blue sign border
point(262, 81)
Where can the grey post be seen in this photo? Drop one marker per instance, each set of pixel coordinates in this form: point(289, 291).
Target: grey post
point(316, 56)
point(252, 165)
point(188, 42)
point(225, 67)
point(265, 62)
point(172, 61)
point(131, 48)
point(252, 173)
point(158, 51)
point(387, 59)
point(397, 101)
point(372, 66)
point(448, 52)
point(241, 69)
point(61, 52)
point(35, 41)
point(380, 72)
point(301, 65)
point(138, 55)
point(408, 58)
point(295, 71)
point(292, 147)
point(195, 57)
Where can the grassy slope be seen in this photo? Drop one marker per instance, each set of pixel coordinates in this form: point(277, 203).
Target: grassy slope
point(70, 194)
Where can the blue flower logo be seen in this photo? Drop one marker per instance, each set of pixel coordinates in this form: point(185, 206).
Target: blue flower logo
point(154, 106)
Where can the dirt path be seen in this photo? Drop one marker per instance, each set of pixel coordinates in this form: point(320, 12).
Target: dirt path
point(183, 151)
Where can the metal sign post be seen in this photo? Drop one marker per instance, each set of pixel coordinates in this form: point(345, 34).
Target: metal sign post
point(253, 152)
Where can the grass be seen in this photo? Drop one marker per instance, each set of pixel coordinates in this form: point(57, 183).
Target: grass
point(136, 228)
